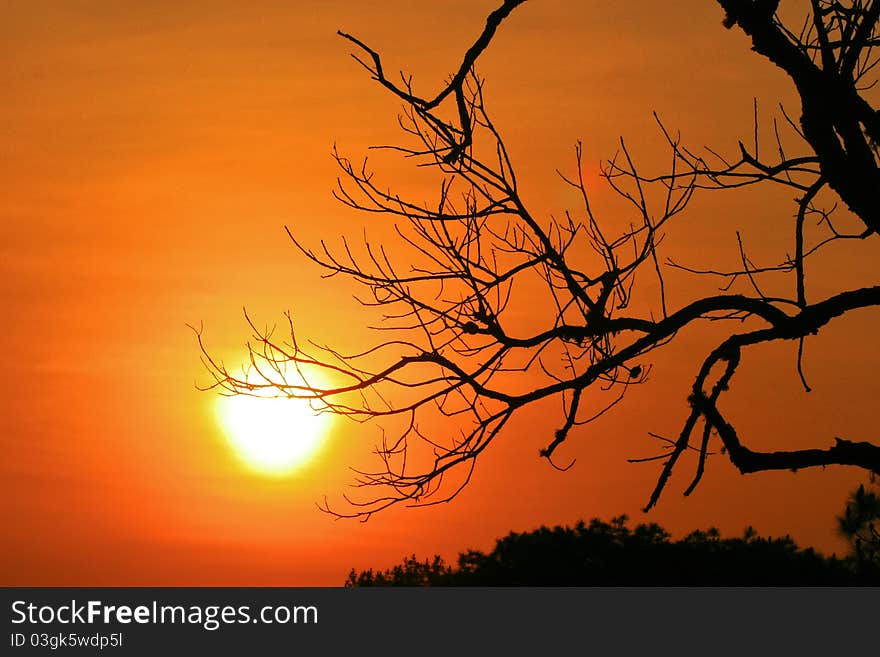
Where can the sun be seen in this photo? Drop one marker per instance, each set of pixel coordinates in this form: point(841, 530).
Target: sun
point(272, 435)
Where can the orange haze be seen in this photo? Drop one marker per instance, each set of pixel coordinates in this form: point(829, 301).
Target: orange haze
point(150, 155)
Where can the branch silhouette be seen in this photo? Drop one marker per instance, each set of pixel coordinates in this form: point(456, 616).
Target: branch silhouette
point(453, 353)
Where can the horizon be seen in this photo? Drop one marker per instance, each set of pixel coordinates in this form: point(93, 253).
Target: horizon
point(154, 155)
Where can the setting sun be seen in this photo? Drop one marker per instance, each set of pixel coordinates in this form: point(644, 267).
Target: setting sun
point(567, 266)
point(271, 435)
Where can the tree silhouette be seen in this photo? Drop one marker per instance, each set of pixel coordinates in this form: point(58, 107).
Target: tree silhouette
point(613, 554)
point(452, 365)
point(860, 524)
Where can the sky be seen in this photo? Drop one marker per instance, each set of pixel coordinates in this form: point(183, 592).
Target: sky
point(151, 155)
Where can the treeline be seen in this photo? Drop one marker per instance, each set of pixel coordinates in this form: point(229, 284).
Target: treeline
point(612, 554)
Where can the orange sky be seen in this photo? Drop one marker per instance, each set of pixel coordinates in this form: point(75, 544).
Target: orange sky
point(151, 154)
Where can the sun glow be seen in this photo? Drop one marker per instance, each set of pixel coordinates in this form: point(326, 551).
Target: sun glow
point(272, 435)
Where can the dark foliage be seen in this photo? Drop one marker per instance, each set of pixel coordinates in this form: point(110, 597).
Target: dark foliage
point(860, 524)
point(612, 554)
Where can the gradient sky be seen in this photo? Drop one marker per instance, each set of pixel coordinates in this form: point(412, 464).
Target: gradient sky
point(150, 155)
